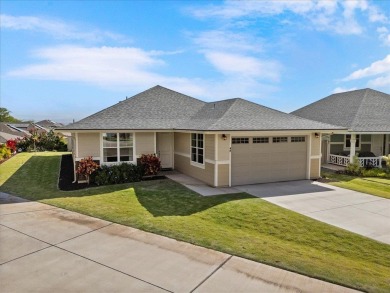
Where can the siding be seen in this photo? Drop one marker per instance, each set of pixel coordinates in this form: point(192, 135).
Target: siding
point(88, 145)
point(209, 146)
point(314, 168)
point(315, 145)
point(144, 143)
point(183, 165)
point(223, 175)
point(336, 148)
point(223, 148)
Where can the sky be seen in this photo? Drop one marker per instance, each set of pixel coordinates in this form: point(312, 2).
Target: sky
point(65, 60)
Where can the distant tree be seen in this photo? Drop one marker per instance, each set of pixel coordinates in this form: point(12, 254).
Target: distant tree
point(6, 117)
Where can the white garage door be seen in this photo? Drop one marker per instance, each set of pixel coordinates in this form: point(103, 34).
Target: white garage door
point(268, 159)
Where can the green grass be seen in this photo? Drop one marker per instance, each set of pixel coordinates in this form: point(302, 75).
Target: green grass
point(238, 224)
point(371, 185)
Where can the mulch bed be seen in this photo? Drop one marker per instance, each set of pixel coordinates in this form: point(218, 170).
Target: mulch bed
point(65, 181)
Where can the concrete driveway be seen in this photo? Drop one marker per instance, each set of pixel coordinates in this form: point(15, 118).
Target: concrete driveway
point(47, 249)
point(357, 212)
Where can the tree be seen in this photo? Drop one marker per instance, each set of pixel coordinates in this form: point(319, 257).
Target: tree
point(6, 117)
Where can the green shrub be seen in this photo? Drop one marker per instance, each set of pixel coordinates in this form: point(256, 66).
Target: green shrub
point(151, 164)
point(376, 172)
point(42, 141)
point(5, 152)
point(116, 174)
point(354, 167)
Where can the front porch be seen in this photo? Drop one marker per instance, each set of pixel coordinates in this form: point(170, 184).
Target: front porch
point(340, 149)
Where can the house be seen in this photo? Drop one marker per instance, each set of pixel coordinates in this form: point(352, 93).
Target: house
point(224, 143)
point(366, 115)
point(7, 132)
point(49, 124)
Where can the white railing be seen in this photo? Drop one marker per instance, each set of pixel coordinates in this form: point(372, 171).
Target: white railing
point(344, 161)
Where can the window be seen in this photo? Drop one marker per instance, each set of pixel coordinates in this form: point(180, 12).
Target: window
point(348, 141)
point(297, 139)
point(117, 147)
point(278, 139)
point(197, 148)
point(260, 140)
point(238, 140)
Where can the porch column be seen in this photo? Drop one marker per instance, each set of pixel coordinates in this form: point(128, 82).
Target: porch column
point(352, 149)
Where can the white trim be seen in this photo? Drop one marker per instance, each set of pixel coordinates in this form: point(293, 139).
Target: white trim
point(230, 160)
point(199, 165)
point(183, 154)
point(316, 157)
point(225, 162)
point(216, 160)
point(173, 150)
point(155, 143)
point(308, 157)
point(77, 159)
point(77, 144)
point(134, 161)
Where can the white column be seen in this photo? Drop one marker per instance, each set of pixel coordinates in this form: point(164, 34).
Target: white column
point(352, 149)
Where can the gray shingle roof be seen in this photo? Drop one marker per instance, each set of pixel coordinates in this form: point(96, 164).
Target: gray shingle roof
point(160, 108)
point(363, 110)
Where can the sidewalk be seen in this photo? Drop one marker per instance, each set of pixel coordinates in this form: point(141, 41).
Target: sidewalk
point(48, 249)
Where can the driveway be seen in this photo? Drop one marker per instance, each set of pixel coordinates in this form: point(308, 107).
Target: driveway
point(47, 249)
point(357, 212)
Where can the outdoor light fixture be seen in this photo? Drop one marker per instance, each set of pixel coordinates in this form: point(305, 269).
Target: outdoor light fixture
point(224, 137)
point(317, 135)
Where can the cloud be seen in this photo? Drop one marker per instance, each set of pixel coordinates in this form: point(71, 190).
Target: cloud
point(244, 66)
point(377, 67)
point(57, 29)
point(125, 68)
point(342, 89)
point(334, 16)
point(384, 35)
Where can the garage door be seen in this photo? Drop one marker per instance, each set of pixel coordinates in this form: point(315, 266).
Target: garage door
point(268, 159)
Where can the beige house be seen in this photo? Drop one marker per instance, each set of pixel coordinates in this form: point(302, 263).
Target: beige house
point(224, 143)
point(366, 115)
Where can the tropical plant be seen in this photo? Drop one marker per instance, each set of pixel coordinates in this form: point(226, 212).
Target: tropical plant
point(5, 152)
point(86, 167)
point(354, 167)
point(150, 163)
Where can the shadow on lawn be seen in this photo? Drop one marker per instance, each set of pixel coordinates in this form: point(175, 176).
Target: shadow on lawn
point(169, 198)
point(37, 179)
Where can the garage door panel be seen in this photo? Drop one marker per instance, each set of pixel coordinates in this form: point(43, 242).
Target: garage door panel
point(268, 162)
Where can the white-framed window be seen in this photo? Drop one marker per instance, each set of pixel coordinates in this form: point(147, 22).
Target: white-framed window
point(297, 139)
point(240, 140)
point(118, 147)
point(278, 139)
point(260, 140)
point(197, 148)
point(347, 141)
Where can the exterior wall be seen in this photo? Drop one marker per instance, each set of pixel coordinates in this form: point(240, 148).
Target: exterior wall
point(315, 145)
point(315, 165)
point(223, 148)
point(144, 143)
point(183, 160)
point(336, 148)
point(377, 144)
point(223, 175)
point(88, 145)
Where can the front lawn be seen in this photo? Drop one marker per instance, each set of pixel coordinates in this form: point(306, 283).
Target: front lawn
point(371, 185)
point(238, 224)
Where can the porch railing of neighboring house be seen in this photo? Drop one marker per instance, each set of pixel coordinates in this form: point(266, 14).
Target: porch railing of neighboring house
point(365, 161)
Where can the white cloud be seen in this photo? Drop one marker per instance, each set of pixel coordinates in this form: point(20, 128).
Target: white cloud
point(244, 66)
point(342, 89)
point(383, 81)
point(123, 68)
point(227, 40)
point(57, 28)
point(377, 67)
point(384, 35)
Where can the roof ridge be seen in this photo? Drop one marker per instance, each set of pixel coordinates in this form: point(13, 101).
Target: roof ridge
point(228, 110)
point(359, 108)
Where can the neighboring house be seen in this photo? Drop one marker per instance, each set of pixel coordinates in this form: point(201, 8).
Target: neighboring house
point(7, 132)
point(366, 114)
point(49, 124)
point(27, 127)
point(224, 143)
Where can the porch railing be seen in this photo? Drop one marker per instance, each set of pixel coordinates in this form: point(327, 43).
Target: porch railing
point(365, 161)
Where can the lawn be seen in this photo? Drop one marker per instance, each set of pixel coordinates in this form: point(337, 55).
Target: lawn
point(238, 224)
point(371, 185)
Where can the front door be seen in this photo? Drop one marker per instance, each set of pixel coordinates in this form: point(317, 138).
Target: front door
point(164, 148)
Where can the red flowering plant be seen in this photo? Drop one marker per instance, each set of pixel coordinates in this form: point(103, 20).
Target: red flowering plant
point(151, 164)
point(12, 145)
point(86, 167)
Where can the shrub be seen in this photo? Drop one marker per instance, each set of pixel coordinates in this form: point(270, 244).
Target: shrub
point(116, 174)
point(42, 141)
point(151, 164)
point(11, 144)
point(354, 167)
point(376, 172)
point(86, 167)
point(5, 152)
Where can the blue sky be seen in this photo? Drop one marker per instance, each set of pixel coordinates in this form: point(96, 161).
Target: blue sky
point(64, 60)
